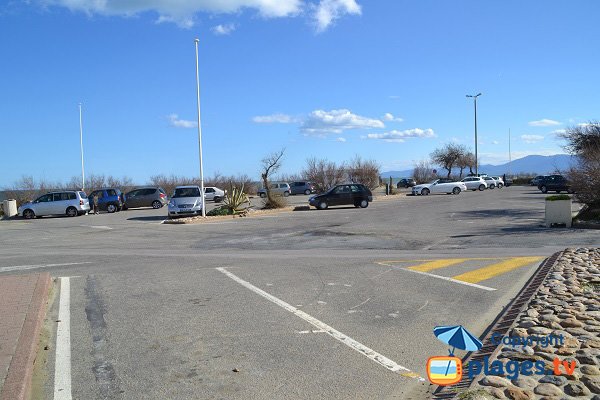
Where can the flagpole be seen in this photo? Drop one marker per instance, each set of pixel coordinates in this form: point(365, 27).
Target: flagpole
point(81, 147)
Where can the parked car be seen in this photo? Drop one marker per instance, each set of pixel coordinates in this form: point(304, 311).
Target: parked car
point(70, 203)
point(110, 199)
point(154, 197)
point(351, 194)
point(405, 183)
point(439, 186)
point(556, 183)
point(185, 201)
point(302, 187)
point(536, 181)
point(491, 182)
point(499, 181)
point(215, 194)
point(475, 183)
point(276, 188)
point(508, 182)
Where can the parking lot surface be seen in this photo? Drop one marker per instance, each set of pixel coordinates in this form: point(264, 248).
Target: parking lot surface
point(338, 303)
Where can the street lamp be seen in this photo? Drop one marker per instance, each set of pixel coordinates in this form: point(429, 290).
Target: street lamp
point(199, 132)
point(81, 147)
point(475, 103)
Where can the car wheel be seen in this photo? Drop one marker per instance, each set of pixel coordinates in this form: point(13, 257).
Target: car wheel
point(500, 186)
point(72, 212)
point(156, 204)
point(425, 192)
point(323, 205)
point(492, 186)
point(481, 188)
point(456, 190)
point(474, 190)
point(263, 195)
point(544, 189)
point(28, 214)
point(111, 208)
point(364, 204)
point(286, 194)
point(307, 192)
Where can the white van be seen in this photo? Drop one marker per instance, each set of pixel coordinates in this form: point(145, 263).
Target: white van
point(70, 203)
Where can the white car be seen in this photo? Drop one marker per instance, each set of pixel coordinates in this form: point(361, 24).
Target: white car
point(475, 183)
point(186, 201)
point(70, 203)
point(492, 183)
point(439, 186)
point(215, 194)
point(499, 181)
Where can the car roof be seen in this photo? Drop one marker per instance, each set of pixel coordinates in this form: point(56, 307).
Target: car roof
point(187, 187)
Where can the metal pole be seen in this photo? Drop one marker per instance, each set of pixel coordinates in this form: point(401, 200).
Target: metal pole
point(476, 159)
point(200, 133)
point(81, 146)
point(509, 154)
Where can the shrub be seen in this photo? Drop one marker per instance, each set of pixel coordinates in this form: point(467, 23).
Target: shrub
point(276, 201)
point(558, 197)
point(236, 201)
point(218, 211)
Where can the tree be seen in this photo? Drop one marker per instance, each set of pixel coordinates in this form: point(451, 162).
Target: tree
point(466, 160)
point(364, 171)
point(583, 141)
point(269, 166)
point(423, 172)
point(324, 174)
point(448, 155)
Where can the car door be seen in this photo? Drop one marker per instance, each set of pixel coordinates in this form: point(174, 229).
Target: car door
point(134, 198)
point(60, 202)
point(209, 194)
point(43, 205)
point(343, 195)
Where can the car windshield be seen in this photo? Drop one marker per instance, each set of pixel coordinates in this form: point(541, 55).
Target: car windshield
point(186, 192)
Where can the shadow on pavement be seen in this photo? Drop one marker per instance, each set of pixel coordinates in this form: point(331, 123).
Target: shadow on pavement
point(150, 218)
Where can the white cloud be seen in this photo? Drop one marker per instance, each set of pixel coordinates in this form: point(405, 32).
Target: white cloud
point(495, 142)
point(391, 117)
point(320, 122)
point(532, 138)
point(273, 119)
point(544, 122)
point(400, 136)
point(221, 29)
point(341, 139)
point(182, 12)
point(558, 132)
point(329, 10)
point(181, 123)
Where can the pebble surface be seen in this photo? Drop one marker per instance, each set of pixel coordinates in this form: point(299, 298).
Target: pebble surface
point(568, 304)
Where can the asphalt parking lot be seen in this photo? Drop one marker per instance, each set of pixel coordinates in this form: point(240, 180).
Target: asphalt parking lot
point(336, 303)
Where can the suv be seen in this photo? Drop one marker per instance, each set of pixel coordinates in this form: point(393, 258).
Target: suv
point(351, 194)
point(302, 187)
point(276, 188)
point(145, 197)
point(406, 183)
point(110, 199)
point(556, 183)
point(70, 203)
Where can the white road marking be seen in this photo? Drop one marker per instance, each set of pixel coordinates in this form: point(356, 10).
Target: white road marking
point(98, 227)
point(62, 368)
point(358, 305)
point(337, 335)
point(448, 279)
point(23, 267)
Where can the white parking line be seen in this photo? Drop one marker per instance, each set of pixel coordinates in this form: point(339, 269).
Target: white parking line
point(448, 279)
point(348, 341)
point(62, 368)
point(24, 267)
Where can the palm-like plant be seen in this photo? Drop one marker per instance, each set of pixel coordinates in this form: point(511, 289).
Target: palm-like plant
point(236, 200)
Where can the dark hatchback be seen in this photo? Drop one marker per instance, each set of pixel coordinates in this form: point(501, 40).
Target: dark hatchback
point(406, 183)
point(351, 194)
point(554, 183)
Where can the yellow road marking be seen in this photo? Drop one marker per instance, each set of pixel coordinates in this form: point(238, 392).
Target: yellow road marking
point(436, 264)
point(493, 270)
point(389, 263)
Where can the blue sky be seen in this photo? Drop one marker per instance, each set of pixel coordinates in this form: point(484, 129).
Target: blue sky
point(383, 79)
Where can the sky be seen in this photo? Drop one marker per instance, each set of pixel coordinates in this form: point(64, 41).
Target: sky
point(385, 80)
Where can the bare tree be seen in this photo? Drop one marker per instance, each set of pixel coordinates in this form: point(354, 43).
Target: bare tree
point(269, 166)
point(423, 172)
point(466, 160)
point(583, 141)
point(364, 171)
point(447, 156)
point(324, 174)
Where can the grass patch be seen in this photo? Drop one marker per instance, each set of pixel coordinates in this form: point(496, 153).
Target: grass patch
point(558, 197)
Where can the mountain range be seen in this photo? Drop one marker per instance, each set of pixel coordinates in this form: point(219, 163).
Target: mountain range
point(533, 164)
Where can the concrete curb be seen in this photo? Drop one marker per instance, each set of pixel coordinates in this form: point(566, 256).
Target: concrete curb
point(17, 385)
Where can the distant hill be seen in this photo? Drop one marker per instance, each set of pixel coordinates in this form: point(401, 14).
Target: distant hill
point(530, 164)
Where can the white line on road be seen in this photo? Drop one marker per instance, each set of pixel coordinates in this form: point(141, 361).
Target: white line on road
point(62, 368)
point(448, 279)
point(348, 341)
point(23, 267)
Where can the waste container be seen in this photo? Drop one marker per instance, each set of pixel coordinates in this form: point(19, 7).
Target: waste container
point(10, 208)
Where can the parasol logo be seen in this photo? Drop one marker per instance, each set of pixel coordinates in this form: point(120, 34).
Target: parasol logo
point(447, 370)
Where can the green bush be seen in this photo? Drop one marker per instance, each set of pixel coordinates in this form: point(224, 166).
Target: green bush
point(219, 211)
point(558, 197)
point(236, 201)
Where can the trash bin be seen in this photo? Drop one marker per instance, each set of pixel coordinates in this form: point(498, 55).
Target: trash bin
point(10, 208)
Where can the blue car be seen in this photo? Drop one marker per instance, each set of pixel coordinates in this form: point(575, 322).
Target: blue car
point(109, 200)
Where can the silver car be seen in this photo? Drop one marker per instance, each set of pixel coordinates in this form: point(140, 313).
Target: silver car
point(70, 203)
point(475, 183)
point(282, 189)
point(186, 201)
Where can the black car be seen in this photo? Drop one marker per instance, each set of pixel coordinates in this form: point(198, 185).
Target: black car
point(554, 183)
point(351, 194)
point(405, 183)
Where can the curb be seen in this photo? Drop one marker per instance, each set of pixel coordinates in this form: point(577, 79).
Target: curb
point(17, 385)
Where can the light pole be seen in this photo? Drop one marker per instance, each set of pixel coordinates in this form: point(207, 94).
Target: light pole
point(475, 103)
point(81, 147)
point(199, 132)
